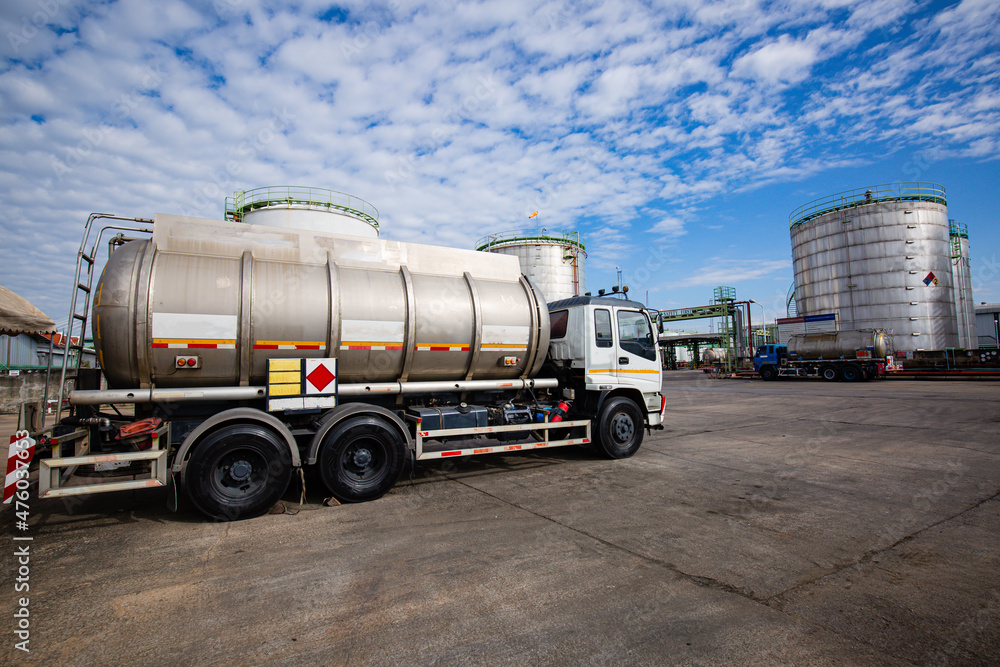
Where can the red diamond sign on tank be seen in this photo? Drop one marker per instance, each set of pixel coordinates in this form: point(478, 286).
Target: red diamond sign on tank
point(319, 374)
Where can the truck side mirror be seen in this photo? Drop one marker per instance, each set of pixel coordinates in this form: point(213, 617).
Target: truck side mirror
point(659, 322)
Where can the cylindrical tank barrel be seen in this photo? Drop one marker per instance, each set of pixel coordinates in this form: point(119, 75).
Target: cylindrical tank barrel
point(232, 311)
point(834, 345)
point(879, 257)
point(713, 355)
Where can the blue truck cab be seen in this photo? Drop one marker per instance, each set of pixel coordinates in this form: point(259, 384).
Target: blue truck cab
point(769, 359)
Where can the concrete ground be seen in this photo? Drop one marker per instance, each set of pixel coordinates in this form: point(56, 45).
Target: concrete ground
point(799, 523)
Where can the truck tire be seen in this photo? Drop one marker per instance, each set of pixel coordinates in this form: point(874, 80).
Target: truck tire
point(768, 373)
point(361, 458)
point(829, 373)
point(238, 472)
point(852, 373)
point(619, 428)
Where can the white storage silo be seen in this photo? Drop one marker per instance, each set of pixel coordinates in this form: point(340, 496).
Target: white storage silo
point(555, 262)
point(879, 257)
point(965, 306)
point(315, 209)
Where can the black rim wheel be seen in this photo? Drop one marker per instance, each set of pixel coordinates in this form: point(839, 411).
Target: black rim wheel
point(361, 458)
point(852, 373)
point(238, 472)
point(619, 428)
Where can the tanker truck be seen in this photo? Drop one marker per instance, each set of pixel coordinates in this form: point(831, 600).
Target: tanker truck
point(234, 356)
point(851, 355)
point(714, 356)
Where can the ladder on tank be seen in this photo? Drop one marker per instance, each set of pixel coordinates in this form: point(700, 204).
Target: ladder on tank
point(83, 283)
point(55, 471)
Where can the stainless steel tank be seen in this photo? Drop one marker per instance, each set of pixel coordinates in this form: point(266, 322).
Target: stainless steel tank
point(232, 296)
point(835, 345)
point(713, 355)
point(879, 257)
point(316, 209)
point(555, 262)
point(965, 305)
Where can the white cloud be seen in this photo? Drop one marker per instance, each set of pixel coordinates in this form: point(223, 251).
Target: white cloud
point(733, 272)
point(669, 226)
point(456, 120)
point(783, 61)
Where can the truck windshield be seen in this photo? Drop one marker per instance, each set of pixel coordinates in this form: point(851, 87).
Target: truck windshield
point(635, 335)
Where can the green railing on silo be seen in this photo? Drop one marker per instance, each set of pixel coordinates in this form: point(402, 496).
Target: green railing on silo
point(957, 231)
point(522, 236)
point(873, 194)
point(292, 196)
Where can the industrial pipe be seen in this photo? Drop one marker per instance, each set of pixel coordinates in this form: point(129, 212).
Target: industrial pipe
point(98, 397)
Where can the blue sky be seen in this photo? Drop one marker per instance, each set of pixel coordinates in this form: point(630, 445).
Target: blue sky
point(676, 136)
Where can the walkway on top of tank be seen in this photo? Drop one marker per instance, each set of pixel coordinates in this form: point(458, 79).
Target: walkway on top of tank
point(292, 196)
point(521, 236)
point(888, 192)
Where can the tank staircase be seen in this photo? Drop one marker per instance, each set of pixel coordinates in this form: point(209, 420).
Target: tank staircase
point(54, 472)
point(726, 296)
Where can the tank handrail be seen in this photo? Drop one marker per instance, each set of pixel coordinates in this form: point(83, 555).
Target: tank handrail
point(956, 228)
point(872, 194)
point(520, 236)
point(293, 196)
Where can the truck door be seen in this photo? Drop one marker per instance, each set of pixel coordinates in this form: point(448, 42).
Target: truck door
point(601, 362)
point(761, 357)
point(636, 360)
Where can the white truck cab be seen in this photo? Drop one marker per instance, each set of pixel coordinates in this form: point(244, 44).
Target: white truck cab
point(605, 348)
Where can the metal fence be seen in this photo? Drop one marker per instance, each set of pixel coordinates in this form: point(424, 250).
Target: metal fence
point(872, 194)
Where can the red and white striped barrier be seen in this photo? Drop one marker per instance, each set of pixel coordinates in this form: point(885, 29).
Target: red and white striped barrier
point(19, 454)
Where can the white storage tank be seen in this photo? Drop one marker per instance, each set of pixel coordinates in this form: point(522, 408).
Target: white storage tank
point(965, 306)
point(311, 209)
point(880, 258)
point(554, 261)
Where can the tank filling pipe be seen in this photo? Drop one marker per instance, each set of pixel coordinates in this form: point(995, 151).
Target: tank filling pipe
point(97, 397)
point(442, 386)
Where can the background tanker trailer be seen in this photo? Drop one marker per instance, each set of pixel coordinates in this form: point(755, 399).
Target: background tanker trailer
point(249, 352)
point(851, 355)
point(714, 356)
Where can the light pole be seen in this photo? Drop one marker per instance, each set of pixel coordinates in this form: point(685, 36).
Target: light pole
point(763, 323)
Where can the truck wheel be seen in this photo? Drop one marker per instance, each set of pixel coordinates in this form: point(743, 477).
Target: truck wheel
point(619, 428)
point(238, 472)
point(829, 373)
point(852, 373)
point(767, 373)
point(361, 458)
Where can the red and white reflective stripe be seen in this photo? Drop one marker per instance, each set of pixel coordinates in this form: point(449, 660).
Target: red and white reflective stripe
point(500, 448)
point(434, 347)
point(663, 407)
point(19, 454)
point(370, 345)
point(289, 345)
point(191, 344)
